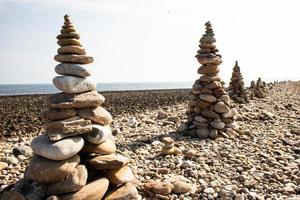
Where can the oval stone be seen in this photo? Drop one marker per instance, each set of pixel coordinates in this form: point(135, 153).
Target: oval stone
point(72, 69)
point(221, 107)
point(68, 35)
point(69, 41)
point(59, 150)
point(73, 84)
point(43, 170)
point(99, 134)
point(208, 98)
point(98, 115)
point(92, 191)
point(202, 132)
point(105, 148)
point(70, 49)
point(72, 58)
point(120, 176)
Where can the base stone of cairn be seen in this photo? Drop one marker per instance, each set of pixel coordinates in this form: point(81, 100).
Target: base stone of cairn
point(258, 89)
point(236, 89)
point(209, 109)
point(76, 156)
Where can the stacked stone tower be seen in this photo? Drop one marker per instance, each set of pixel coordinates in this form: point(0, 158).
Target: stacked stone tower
point(75, 157)
point(237, 90)
point(209, 110)
point(259, 90)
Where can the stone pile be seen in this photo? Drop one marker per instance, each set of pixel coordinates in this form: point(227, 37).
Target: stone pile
point(169, 147)
point(236, 89)
point(75, 157)
point(209, 109)
point(259, 90)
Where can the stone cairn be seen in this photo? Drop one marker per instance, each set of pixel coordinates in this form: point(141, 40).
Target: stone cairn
point(258, 89)
point(236, 89)
point(75, 157)
point(209, 110)
point(169, 147)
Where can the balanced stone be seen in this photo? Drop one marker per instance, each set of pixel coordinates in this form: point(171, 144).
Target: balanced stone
point(69, 101)
point(73, 84)
point(68, 35)
point(111, 161)
point(53, 115)
point(68, 42)
point(58, 130)
point(72, 70)
point(105, 148)
point(67, 30)
point(98, 115)
point(72, 58)
point(43, 170)
point(202, 132)
point(231, 113)
point(99, 134)
point(221, 107)
point(208, 69)
point(59, 150)
point(92, 191)
point(217, 124)
point(71, 50)
point(208, 98)
point(119, 176)
point(73, 182)
point(210, 114)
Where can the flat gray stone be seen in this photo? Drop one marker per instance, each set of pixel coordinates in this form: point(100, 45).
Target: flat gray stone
point(73, 84)
point(72, 69)
point(99, 134)
point(59, 150)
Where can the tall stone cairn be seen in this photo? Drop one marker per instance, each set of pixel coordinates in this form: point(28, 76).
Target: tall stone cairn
point(209, 110)
point(75, 158)
point(236, 89)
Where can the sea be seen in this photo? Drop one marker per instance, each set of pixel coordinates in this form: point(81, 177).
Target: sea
point(23, 89)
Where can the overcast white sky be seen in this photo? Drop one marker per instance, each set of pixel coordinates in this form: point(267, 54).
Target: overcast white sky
point(151, 40)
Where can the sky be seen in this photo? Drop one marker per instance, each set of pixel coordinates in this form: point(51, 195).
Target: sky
point(151, 40)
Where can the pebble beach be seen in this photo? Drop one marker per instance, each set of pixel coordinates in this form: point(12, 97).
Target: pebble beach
point(260, 162)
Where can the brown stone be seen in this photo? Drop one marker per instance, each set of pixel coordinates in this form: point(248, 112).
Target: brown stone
point(53, 115)
point(97, 114)
point(43, 170)
point(58, 130)
point(68, 30)
point(69, 41)
point(208, 79)
point(214, 85)
point(210, 114)
point(68, 35)
point(72, 58)
point(11, 195)
point(208, 69)
point(221, 107)
point(208, 98)
point(158, 187)
point(203, 104)
point(125, 192)
point(111, 161)
point(105, 148)
point(119, 176)
point(92, 191)
point(73, 182)
point(214, 61)
point(71, 50)
point(69, 101)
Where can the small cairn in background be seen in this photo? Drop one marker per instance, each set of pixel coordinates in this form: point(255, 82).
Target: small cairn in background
point(259, 89)
point(209, 109)
point(75, 159)
point(236, 89)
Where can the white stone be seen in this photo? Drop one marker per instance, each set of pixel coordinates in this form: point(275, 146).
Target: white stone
point(59, 150)
point(132, 122)
point(99, 134)
point(73, 84)
point(72, 69)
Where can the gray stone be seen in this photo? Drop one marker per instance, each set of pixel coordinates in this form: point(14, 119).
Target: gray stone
point(73, 84)
point(59, 150)
point(99, 134)
point(22, 150)
point(210, 114)
point(200, 119)
point(72, 70)
point(217, 124)
point(202, 132)
point(213, 134)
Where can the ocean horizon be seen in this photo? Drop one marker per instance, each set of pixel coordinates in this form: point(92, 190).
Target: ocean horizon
point(24, 89)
